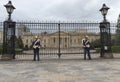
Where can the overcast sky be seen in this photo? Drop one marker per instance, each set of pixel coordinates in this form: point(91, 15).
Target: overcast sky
point(65, 10)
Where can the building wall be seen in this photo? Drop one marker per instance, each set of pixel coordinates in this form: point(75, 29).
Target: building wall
point(1, 36)
point(67, 39)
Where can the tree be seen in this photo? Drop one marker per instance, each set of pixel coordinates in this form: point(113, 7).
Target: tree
point(117, 35)
point(96, 43)
point(18, 42)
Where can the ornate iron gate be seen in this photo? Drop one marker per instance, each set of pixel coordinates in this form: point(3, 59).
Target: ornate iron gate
point(57, 38)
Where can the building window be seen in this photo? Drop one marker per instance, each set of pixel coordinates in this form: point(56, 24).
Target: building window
point(60, 40)
point(65, 40)
point(74, 40)
point(65, 46)
point(54, 40)
point(70, 40)
point(31, 40)
point(26, 40)
point(48, 41)
point(79, 40)
point(45, 41)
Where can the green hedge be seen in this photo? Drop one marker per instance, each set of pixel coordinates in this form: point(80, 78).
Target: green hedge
point(0, 50)
point(116, 49)
point(97, 50)
point(16, 51)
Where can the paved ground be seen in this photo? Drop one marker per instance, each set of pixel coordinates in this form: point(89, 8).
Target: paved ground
point(66, 69)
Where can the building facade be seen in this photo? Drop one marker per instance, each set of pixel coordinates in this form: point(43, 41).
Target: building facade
point(67, 39)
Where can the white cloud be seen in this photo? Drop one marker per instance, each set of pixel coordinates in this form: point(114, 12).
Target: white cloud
point(60, 10)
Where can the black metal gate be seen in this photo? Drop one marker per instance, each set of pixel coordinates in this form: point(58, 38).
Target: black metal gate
point(57, 38)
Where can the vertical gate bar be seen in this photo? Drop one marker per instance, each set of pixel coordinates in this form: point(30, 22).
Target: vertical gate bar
point(14, 37)
point(59, 54)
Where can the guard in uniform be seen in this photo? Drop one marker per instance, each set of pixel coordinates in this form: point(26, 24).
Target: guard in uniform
point(36, 47)
point(86, 47)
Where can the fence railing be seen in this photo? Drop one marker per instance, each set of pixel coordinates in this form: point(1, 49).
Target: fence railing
point(56, 38)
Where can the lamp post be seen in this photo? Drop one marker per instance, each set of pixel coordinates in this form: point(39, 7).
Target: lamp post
point(9, 7)
point(9, 34)
point(104, 11)
point(105, 35)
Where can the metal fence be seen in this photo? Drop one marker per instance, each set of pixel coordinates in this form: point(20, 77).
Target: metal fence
point(57, 38)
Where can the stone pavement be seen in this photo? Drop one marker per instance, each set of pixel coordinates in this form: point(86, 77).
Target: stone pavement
point(61, 70)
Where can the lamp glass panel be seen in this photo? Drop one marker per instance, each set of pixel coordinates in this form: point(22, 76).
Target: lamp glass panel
point(104, 12)
point(9, 9)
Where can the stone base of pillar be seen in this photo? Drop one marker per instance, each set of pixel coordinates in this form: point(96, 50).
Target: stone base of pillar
point(6, 57)
point(108, 55)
